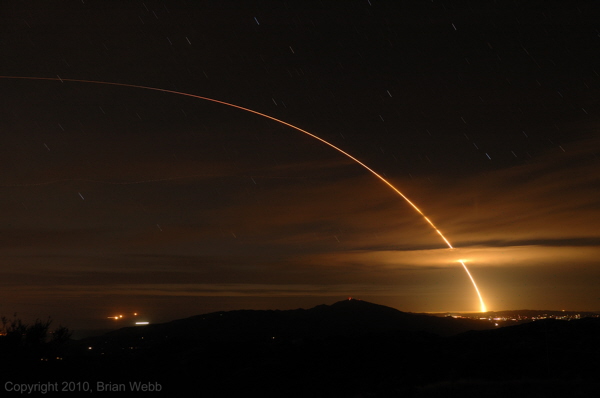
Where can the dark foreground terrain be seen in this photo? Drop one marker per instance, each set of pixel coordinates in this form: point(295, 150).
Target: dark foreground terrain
point(351, 349)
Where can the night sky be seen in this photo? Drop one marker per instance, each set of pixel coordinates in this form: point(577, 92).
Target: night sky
point(118, 200)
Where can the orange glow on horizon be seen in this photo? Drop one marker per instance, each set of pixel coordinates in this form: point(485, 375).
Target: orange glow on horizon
point(62, 80)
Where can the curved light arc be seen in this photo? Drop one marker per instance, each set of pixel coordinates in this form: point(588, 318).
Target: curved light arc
point(482, 304)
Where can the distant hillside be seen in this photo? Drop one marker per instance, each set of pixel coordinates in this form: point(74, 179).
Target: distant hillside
point(349, 349)
point(344, 318)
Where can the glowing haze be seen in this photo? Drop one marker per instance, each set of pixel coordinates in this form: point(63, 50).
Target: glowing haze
point(118, 200)
point(483, 307)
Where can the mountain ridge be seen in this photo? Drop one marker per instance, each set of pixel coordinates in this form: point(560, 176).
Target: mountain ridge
point(349, 348)
point(346, 317)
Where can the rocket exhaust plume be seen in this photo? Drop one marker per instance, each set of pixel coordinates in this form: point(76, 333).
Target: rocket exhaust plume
point(62, 80)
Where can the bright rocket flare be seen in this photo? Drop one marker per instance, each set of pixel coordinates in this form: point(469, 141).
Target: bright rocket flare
point(483, 307)
point(62, 80)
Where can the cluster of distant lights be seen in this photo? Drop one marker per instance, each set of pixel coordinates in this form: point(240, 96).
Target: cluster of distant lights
point(121, 317)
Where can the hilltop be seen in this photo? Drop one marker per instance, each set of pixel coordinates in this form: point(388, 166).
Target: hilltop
point(344, 318)
point(350, 348)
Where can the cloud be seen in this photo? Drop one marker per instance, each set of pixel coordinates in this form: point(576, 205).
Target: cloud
point(552, 197)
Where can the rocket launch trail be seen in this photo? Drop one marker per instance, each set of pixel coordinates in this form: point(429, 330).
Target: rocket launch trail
point(382, 179)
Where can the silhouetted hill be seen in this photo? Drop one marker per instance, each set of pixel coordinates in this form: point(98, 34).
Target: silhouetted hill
point(348, 349)
point(544, 348)
point(348, 317)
